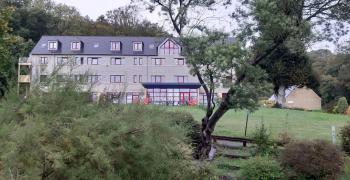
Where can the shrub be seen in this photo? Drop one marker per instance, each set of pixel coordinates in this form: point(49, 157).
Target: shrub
point(186, 120)
point(59, 135)
point(346, 173)
point(261, 137)
point(285, 138)
point(313, 159)
point(341, 106)
point(345, 138)
point(261, 167)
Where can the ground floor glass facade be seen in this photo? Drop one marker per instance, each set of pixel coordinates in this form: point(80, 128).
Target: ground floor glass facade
point(172, 96)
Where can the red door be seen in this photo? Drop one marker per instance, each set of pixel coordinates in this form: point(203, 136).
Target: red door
point(184, 98)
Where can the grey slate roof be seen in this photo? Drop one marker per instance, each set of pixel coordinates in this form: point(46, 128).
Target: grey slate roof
point(98, 45)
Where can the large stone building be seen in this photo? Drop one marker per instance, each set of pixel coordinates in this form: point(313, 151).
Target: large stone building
point(140, 68)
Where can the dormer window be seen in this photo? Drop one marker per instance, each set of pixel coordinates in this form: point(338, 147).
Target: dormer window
point(115, 46)
point(52, 45)
point(137, 46)
point(76, 46)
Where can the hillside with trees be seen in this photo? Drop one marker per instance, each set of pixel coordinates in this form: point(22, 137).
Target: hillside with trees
point(334, 75)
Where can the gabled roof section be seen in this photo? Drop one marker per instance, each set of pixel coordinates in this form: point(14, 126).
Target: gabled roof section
point(176, 41)
point(98, 45)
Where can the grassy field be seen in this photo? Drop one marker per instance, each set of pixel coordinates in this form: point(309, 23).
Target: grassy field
point(299, 124)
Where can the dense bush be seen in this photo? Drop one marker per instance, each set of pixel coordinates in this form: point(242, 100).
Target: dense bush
point(261, 167)
point(313, 159)
point(193, 128)
point(345, 138)
point(59, 135)
point(341, 106)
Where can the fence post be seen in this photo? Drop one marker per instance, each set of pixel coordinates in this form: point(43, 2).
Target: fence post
point(333, 135)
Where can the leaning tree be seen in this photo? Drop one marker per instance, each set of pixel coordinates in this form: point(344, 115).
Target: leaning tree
point(264, 24)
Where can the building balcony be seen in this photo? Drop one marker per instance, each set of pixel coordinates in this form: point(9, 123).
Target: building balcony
point(24, 78)
point(24, 61)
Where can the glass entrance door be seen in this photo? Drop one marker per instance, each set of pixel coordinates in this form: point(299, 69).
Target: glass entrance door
point(184, 98)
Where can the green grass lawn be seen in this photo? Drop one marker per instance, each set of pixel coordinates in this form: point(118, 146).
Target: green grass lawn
point(299, 124)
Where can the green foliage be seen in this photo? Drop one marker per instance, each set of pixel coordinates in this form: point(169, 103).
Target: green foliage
point(313, 159)
point(261, 168)
point(60, 135)
point(341, 106)
point(262, 139)
point(346, 174)
point(334, 76)
point(345, 138)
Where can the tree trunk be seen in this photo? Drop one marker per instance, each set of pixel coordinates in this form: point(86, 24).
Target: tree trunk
point(208, 125)
point(281, 96)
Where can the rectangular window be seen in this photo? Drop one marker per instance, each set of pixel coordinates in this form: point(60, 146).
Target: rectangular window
point(93, 61)
point(82, 60)
point(135, 78)
point(180, 61)
point(75, 46)
point(137, 46)
point(180, 79)
point(52, 45)
point(43, 79)
point(93, 78)
point(137, 61)
point(158, 61)
point(62, 60)
point(61, 78)
point(117, 78)
point(115, 46)
point(157, 78)
point(116, 61)
point(44, 60)
point(80, 79)
point(140, 78)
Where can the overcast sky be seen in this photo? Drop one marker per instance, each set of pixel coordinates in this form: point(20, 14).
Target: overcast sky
point(95, 8)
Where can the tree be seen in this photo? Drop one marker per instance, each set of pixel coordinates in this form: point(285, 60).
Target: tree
point(288, 67)
point(271, 28)
point(5, 60)
point(124, 21)
point(334, 75)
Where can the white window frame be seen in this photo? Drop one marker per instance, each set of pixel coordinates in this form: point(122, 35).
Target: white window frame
point(180, 59)
point(137, 46)
point(117, 61)
point(44, 60)
point(93, 78)
point(75, 46)
point(138, 61)
point(158, 61)
point(117, 78)
point(93, 61)
point(157, 78)
point(184, 78)
point(140, 79)
point(115, 45)
point(52, 45)
point(62, 60)
point(135, 78)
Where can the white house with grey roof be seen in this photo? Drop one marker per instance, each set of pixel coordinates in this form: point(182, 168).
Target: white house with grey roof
point(141, 68)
